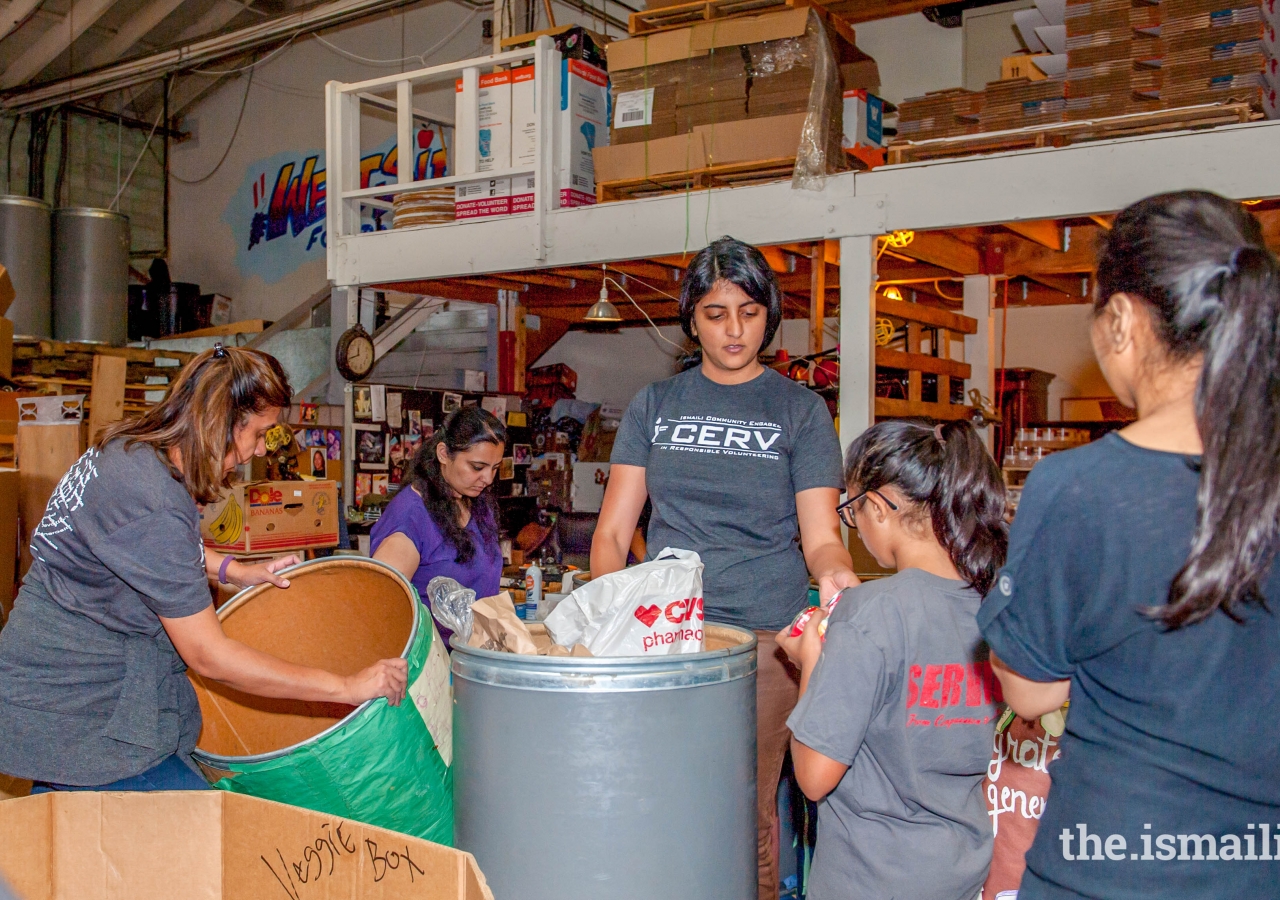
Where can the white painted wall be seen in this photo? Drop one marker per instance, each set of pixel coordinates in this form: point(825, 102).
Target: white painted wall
point(1053, 339)
point(915, 55)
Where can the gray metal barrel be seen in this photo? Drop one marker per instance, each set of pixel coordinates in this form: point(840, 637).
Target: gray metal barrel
point(624, 778)
point(24, 251)
point(90, 275)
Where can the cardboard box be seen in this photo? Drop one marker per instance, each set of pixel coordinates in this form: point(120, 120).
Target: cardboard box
point(493, 143)
point(863, 120)
point(482, 199)
point(215, 845)
point(6, 348)
point(719, 144)
point(8, 539)
point(581, 127)
point(524, 117)
point(864, 74)
point(522, 193)
point(1021, 66)
point(589, 482)
point(268, 516)
point(7, 292)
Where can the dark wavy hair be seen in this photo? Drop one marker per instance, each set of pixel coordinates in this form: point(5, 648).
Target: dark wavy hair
point(461, 431)
point(739, 264)
point(1199, 264)
point(953, 477)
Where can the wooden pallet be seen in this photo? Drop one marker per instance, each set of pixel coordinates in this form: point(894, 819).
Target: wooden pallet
point(666, 18)
point(735, 175)
point(1059, 134)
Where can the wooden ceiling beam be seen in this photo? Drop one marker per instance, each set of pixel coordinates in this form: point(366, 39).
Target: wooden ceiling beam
point(941, 249)
point(546, 279)
point(1077, 287)
point(1046, 232)
point(1025, 258)
point(1032, 293)
point(448, 288)
point(855, 11)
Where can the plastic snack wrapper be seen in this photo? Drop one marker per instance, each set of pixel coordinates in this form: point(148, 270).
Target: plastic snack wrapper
point(451, 605)
point(653, 609)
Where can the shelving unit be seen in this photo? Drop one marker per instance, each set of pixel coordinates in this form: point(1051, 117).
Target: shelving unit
point(1026, 221)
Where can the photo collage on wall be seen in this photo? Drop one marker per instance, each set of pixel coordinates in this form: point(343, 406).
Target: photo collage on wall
point(390, 425)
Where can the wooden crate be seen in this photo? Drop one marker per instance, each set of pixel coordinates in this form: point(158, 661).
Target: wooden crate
point(666, 18)
point(917, 318)
point(1059, 134)
point(60, 367)
point(735, 175)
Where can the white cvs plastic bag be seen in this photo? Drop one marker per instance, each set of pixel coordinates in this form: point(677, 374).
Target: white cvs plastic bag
point(653, 609)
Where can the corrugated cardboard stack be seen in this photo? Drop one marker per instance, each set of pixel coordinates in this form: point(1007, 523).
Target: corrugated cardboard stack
point(1101, 48)
point(1019, 102)
point(940, 114)
point(1215, 51)
point(722, 92)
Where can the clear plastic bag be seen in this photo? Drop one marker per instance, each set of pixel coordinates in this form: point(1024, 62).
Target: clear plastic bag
point(451, 605)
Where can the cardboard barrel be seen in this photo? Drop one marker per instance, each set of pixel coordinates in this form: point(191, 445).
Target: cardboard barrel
point(379, 764)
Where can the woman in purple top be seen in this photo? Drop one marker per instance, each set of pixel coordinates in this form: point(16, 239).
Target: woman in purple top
point(444, 521)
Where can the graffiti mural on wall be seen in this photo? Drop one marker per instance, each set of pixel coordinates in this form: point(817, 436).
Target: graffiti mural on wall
point(278, 214)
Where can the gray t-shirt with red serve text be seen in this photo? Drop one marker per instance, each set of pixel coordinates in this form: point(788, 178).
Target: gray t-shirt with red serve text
point(723, 464)
point(905, 696)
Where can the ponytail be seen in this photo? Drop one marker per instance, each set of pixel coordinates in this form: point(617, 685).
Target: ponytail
point(946, 471)
point(1200, 264)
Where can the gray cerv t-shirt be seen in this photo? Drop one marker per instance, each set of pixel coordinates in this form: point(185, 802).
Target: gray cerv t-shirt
point(905, 696)
point(723, 465)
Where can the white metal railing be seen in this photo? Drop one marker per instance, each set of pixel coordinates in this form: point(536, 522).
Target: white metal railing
point(342, 140)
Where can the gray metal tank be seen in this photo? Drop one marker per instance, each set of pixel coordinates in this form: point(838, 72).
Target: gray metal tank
point(24, 251)
point(624, 778)
point(90, 275)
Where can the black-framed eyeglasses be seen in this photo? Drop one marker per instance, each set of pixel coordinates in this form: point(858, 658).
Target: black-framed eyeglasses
point(845, 509)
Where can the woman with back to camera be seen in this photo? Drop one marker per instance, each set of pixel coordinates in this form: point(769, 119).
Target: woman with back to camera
point(742, 466)
point(1141, 581)
point(444, 520)
point(116, 605)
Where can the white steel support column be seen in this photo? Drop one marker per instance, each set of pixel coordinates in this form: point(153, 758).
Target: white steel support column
point(979, 348)
point(857, 336)
point(352, 305)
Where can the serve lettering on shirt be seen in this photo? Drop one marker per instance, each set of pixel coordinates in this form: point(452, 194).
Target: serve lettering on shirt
point(718, 435)
point(945, 685)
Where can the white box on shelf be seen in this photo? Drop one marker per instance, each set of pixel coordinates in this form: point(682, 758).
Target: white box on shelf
point(582, 125)
point(522, 193)
point(863, 119)
point(493, 122)
point(589, 480)
point(524, 118)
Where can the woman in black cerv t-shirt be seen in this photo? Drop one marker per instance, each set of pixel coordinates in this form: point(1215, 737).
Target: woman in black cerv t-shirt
point(742, 466)
point(116, 605)
point(1141, 577)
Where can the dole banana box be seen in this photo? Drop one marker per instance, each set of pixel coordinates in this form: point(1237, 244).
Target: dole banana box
point(269, 516)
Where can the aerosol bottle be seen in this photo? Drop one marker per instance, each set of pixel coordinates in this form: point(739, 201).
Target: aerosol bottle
point(532, 592)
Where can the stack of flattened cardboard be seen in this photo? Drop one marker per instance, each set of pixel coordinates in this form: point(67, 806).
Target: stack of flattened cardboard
point(1101, 47)
point(723, 92)
point(1214, 50)
point(940, 114)
point(1019, 102)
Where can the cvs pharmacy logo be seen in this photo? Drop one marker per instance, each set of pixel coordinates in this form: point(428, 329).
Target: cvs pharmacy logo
point(677, 613)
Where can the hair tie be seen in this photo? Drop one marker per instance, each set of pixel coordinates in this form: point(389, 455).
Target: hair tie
point(219, 351)
point(937, 433)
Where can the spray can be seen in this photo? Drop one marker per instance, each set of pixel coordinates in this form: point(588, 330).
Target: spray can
point(532, 592)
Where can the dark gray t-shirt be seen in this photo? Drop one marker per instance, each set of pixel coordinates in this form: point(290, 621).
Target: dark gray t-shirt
point(905, 696)
point(120, 542)
point(723, 465)
point(91, 688)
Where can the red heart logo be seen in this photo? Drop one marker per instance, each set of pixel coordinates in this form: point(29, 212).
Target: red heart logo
point(648, 614)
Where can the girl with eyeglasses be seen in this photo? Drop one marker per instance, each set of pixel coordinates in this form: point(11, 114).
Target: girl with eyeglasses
point(893, 731)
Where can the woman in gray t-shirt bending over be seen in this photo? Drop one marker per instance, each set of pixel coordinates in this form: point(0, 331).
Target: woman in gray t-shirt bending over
point(116, 606)
point(743, 467)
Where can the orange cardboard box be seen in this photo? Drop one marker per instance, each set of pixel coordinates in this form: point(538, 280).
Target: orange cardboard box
point(215, 845)
point(269, 516)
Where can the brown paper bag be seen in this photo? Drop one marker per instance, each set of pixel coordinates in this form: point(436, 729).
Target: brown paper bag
point(495, 626)
point(578, 650)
